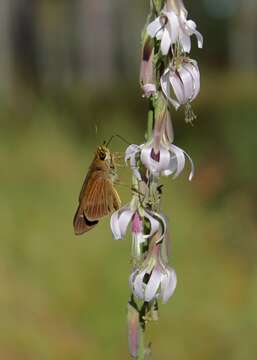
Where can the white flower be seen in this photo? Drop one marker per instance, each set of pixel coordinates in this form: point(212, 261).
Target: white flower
point(172, 26)
point(121, 219)
point(154, 278)
point(170, 159)
point(184, 80)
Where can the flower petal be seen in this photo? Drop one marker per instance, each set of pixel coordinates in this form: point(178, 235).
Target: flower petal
point(168, 284)
point(132, 278)
point(178, 87)
point(180, 159)
point(191, 29)
point(165, 42)
point(139, 286)
point(192, 172)
point(153, 284)
point(155, 224)
point(188, 83)
point(161, 223)
point(192, 67)
point(155, 167)
point(120, 221)
point(185, 41)
point(165, 85)
point(115, 226)
point(124, 220)
point(154, 27)
point(172, 26)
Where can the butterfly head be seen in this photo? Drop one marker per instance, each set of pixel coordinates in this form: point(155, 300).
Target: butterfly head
point(103, 153)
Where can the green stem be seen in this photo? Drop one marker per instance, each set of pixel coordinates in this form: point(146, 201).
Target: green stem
point(144, 351)
point(150, 121)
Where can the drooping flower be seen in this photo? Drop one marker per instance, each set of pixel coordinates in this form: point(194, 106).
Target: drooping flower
point(170, 159)
point(121, 219)
point(183, 81)
point(172, 27)
point(159, 155)
point(154, 278)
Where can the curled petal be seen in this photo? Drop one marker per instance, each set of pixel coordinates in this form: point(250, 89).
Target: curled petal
point(165, 85)
point(179, 157)
point(155, 224)
point(168, 285)
point(192, 172)
point(181, 161)
point(115, 226)
point(190, 27)
point(120, 221)
point(157, 221)
point(154, 27)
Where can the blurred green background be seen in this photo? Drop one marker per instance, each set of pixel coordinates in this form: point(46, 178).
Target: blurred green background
point(69, 80)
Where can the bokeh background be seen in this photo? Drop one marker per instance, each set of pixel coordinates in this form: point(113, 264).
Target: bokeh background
point(69, 80)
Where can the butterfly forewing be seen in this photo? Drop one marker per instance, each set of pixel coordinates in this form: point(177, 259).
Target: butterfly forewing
point(98, 197)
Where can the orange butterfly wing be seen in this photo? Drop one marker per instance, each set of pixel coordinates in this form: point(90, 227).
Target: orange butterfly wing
point(98, 198)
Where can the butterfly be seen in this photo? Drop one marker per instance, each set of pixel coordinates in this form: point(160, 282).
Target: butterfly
point(98, 196)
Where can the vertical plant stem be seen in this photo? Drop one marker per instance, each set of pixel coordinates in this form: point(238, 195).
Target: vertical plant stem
point(150, 122)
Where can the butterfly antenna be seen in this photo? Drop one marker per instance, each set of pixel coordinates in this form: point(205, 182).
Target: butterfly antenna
point(118, 136)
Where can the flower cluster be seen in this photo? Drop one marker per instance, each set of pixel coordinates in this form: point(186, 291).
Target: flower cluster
point(180, 80)
point(154, 278)
point(167, 39)
point(169, 78)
